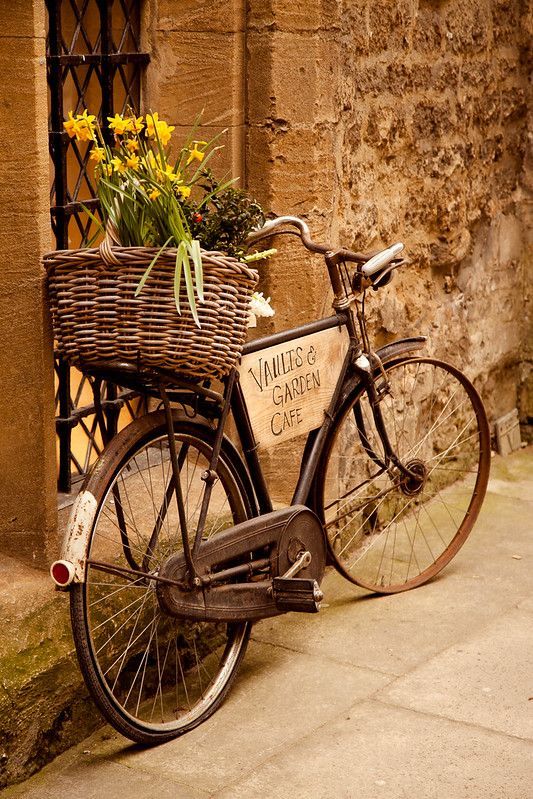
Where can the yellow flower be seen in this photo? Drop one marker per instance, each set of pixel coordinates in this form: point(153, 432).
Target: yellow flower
point(81, 126)
point(107, 169)
point(164, 132)
point(155, 125)
point(97, 154)
point(184, 190)
point(118, 165)
point(118, 124)
point(151, 122)
point(196, 153)
point(154, 194)
point(168, 172)
point(132, 146)
point(133, 161)
point(70, 125)
point(136, 124)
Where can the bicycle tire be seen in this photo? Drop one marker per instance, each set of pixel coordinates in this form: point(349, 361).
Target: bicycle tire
point(387, 532)
point(153, 677)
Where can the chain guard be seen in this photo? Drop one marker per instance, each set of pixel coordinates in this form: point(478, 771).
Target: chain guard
point(284, 533)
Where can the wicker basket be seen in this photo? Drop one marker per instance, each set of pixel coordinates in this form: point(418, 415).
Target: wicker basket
point(97, 317)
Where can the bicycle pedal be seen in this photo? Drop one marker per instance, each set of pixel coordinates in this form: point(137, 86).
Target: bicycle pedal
point(297, 593)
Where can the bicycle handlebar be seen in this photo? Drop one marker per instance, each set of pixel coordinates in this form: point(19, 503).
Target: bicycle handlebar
point(371, 262)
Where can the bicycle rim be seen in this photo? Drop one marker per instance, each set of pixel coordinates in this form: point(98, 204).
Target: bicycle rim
point(152, 676)
point(388, 531)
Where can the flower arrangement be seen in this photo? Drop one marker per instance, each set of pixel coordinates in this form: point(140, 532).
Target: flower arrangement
point(152, 198)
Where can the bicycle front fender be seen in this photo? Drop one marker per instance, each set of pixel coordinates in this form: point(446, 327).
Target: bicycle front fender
point(390, 352)
point(397, 349)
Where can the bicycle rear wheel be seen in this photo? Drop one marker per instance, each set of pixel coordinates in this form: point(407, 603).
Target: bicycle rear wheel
point(151, 675)
point(387, 532)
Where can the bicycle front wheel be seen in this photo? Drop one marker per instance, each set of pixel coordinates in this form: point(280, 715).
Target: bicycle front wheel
point(151, 675)
point(389, 531)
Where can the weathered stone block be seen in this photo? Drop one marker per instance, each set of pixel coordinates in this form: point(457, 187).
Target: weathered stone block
point(312, 15)
point(505, 20)
point(428, 30)
point(27, 459)
point(210, 16)
point(389, 25)
point(200, 71)
point(308, 62)
point(23, 19)
point(468, 27)
point(432, 119)
point(355, 20)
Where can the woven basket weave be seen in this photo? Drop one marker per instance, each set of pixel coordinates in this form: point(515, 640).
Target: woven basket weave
point(97, 317)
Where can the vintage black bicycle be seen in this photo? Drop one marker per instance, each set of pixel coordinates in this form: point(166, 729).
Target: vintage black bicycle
point(174, 548)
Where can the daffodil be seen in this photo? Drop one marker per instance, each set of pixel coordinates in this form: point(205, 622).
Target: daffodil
point(164, 132)
point(136, 124)
point(119, 125)
point(154, 194)
point(107, 170)
point(132, 146)
point(70, 125)
point(81, 126)
point(196, 153)
point(157, 127)
point(151, 122)
point(184, 191)
point(118, 165)
point(133, 162)
point(97, 154)
point(168, 172)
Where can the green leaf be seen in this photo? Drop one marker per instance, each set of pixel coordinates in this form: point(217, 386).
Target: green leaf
point(153, 261)
point(97, 222)
point(181, 256)
point(196, 255)
point(190, 288)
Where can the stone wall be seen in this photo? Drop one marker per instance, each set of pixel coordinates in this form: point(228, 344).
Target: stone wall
point(27, 458)
point(380, 122)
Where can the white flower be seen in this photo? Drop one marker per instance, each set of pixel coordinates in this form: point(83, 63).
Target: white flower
point(259, 307)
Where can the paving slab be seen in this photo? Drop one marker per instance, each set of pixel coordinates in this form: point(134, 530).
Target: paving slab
point(108, 781)
point(422, 695)
point(485, 680)
point(513, 476)
point(395, 633)
point(379, 752)
point(279, 697)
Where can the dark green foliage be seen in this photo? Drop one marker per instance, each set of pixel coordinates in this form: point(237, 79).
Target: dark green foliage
point(224, 221)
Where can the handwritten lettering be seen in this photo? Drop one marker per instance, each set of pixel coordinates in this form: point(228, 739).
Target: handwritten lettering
point(281, 364)
point(288, 387)
point(286, 419)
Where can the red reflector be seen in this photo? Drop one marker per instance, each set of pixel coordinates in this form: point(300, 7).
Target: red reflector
point(61, 573)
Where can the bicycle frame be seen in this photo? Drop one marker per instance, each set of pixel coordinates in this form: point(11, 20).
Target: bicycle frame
point(212, 405)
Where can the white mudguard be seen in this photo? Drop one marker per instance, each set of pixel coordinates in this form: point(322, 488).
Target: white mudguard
point(76, 541)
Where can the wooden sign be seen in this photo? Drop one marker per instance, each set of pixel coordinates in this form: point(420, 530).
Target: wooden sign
point(289, 386)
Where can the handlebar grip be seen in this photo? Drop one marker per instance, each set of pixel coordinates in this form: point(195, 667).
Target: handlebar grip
point(381, 259)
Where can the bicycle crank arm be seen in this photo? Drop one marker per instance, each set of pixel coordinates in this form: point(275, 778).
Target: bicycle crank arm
point(295, 542)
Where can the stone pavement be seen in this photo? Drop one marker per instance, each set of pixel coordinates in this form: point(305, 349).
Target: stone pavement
point(426, 694)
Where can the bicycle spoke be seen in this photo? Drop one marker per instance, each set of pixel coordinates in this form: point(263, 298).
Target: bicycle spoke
point(376, 524)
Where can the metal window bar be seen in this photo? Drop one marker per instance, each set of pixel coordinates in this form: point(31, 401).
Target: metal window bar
point(94, 56)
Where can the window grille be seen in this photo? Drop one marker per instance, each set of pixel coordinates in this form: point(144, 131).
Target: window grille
point(94, 61)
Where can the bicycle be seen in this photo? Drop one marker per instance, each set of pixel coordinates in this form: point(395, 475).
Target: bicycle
point(174, 549)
